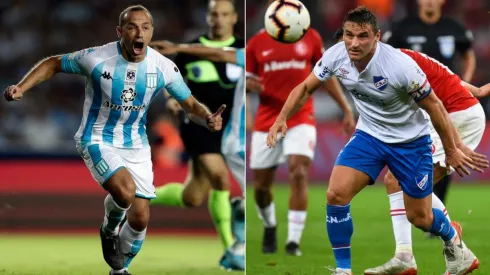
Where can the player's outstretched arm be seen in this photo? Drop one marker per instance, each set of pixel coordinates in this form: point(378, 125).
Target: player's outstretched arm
point(333, 87)
point(296, 99)
point(440, 119)
point(41, 72)
point(480, 92)
point(227, 55)
point(201, 115)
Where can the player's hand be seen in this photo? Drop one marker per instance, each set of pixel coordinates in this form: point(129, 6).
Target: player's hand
point(164, 47)
point(459, 161)
point(173, 106)
point(12, 93)
point(253, 84)
point(479, 161)
point(349, 124)
point(215, 121)
point(279, 126)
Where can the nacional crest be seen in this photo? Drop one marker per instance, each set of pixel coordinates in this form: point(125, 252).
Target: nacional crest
point(151, 80)
point(380, 82)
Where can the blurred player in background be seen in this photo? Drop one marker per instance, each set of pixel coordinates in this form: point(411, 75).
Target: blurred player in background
point(122, 79)
point(211, 82)
point(468, 119)
point(440, 37)
point(273, 70)
point(388, 86)
point(233, 140)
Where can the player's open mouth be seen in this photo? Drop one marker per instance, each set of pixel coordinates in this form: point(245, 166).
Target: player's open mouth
point(138, 47)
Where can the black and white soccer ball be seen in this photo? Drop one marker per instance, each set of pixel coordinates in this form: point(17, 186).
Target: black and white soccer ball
point(287, 20)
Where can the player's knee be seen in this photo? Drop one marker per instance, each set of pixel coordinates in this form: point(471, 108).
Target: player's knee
point(336, 198)
point(420, 219)
point(192, 200)
point(298, 176)
point(220, 180)
point(124, 193)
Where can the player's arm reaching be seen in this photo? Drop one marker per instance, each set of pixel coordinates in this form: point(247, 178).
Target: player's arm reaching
point(416, 84)
point(478, 92)
point(41, 72)
point(296, 99)
point(333, 87)
point(228, 55)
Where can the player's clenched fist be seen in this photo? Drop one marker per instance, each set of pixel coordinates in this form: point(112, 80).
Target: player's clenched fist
point(12, 93)
point(278, 127)
point(215, 121)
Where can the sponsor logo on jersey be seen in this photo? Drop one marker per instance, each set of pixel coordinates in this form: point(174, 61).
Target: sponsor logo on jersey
point(128, 95)
point(123, 107)
point(130, 75)
point(325, 71)
point(380, 82)
point(285, 65)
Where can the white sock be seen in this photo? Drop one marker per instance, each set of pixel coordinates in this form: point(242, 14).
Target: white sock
point(131, 242)
point(296, 224)
point(268, 215)
point(402, 228)
point(115, 272)
point(114, 214)
point(437, 203)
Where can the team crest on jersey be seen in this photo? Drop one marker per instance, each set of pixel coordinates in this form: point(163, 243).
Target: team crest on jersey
point(151, 80)
point(380, 82)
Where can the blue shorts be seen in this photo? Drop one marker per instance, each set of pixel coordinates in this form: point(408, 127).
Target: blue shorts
point(410, 163)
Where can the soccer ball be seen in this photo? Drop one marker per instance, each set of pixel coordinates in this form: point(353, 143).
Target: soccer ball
point(287, 20)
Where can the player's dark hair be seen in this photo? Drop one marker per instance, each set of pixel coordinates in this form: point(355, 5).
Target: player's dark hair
point(338, 34)
point(231, 1)
point(362, 16)
point(124, 14)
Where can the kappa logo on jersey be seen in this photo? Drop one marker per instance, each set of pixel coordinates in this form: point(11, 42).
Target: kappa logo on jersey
point(128, 95)
point(130, 75)
point(380, 82)
point(151, 80)
point(422, 184)
point(106, 75)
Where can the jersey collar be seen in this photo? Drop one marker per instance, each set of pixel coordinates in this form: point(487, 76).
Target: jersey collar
point(217, 44)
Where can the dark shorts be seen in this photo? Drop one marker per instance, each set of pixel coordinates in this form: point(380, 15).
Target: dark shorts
point(199, 140)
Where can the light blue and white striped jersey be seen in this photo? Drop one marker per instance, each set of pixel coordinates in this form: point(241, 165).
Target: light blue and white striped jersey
point(233, 141)
point(118, 93)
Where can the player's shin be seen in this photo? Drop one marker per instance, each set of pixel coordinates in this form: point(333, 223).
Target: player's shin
point(220, 210)
point(402, 228)
point(131, 242)
point(170, 194)
point(114, 215)
point(340, 228)
point(441, 226)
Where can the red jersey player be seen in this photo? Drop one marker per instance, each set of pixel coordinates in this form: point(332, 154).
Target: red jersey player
point(468, 119)
point(280, 67)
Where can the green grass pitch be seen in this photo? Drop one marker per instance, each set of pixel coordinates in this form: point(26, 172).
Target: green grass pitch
point(372, 243)
point(82, 255)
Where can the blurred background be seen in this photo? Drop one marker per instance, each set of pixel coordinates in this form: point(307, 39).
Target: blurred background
point(327, 17)
point(45, 187)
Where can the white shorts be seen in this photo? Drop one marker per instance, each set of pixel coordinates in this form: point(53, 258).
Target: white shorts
point(299, 140)
point(103, 161)
point(469, 123)
point(236, 164)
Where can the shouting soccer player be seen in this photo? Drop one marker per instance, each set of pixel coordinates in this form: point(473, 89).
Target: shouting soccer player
point(233, 140)
point(122, 79)
point(390, 91)
point(280, 67)
point(468, 120)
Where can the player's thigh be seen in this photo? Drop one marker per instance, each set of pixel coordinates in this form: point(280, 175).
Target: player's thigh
point(358, 164)
point(108, 169)
point(391, 183)
point(214, 167)
point(261, 156)
point(236, 164)
point(411, 164)
point(138, 162)
point(139, 214)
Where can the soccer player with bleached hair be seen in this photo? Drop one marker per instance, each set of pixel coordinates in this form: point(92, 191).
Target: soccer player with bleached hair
point(123, 78)
point(390, 92)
